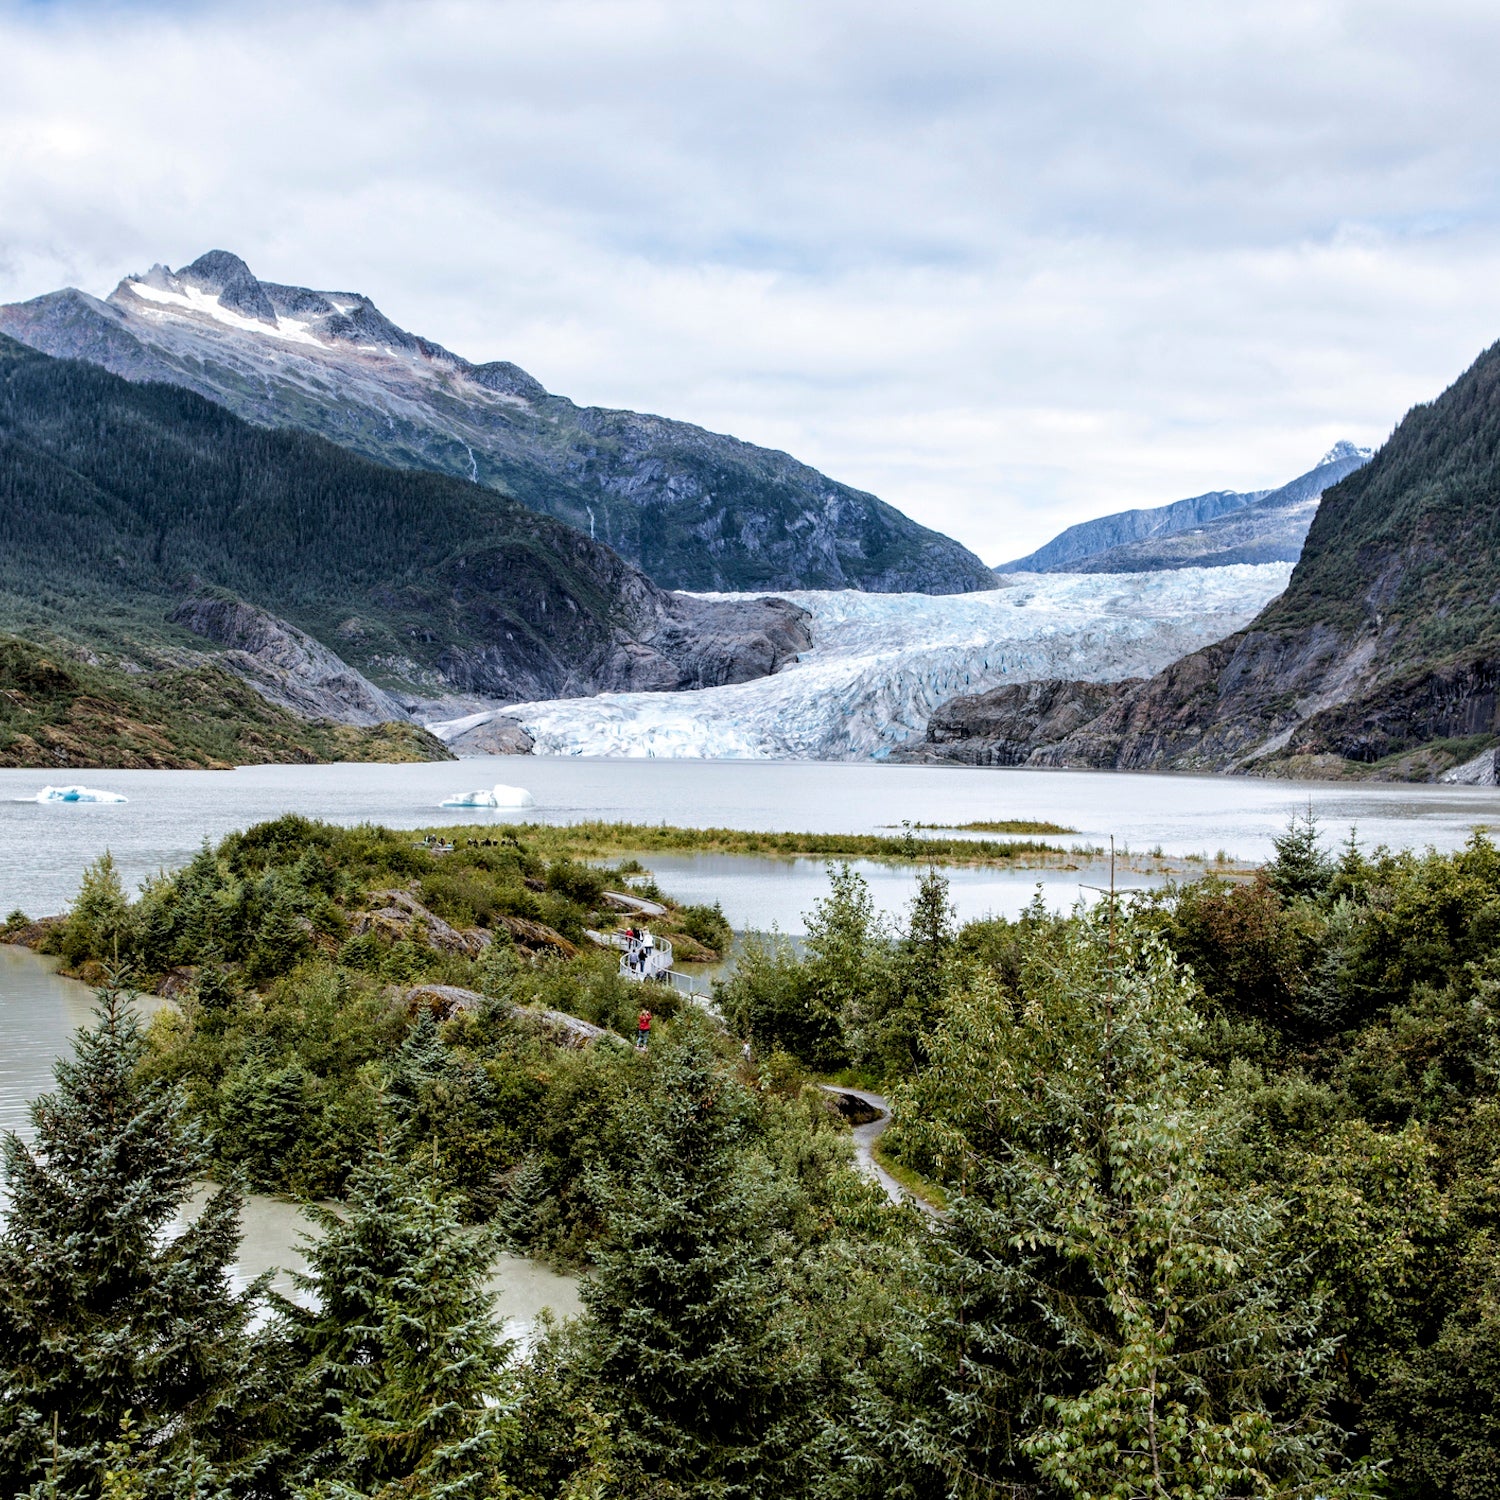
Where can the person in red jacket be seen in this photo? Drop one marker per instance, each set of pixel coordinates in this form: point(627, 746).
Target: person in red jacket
point(643, 1030)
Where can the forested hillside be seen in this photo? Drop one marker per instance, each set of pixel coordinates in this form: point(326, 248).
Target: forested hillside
point(118, 500)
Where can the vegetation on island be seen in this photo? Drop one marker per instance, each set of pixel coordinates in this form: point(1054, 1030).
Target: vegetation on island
point(1001, 825)
point(58, 711)
point(1218, 1165)
point(599, 839)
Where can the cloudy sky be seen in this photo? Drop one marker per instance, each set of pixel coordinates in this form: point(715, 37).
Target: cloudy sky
point(1007, 265)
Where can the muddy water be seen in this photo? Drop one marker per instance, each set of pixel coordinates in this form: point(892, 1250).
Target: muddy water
point(40, 1011)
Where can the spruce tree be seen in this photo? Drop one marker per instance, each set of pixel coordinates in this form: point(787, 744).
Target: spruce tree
point(691, 1332)
point(404, 1362)
point(900, 1015)
point(111, 1333)
point(1302, 869)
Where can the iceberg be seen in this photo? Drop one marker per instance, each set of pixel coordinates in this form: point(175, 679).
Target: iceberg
point(73, 794)
point(498, 795)
point(881, 663)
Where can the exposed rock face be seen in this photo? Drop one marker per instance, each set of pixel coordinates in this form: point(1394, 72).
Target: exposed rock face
point(286, 665)
point(497, 736)
point(1208, 531)
point(694, 509)
point(1069, 549)
point(1382, 657)
point(1008, 725)
point(1483, 770)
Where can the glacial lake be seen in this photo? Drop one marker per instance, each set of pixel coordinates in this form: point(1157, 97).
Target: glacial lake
point(44, 848)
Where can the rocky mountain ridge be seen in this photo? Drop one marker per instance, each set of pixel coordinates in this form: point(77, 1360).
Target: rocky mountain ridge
point(693, 509)
point(1217, 529)
point(1382, 657)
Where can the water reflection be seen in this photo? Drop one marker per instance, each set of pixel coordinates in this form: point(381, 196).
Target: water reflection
point(758, 893)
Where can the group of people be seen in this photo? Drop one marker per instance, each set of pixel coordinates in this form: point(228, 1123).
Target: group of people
point(639, 946)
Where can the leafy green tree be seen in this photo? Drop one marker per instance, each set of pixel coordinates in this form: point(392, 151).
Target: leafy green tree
point(405, 1365)
point(691, 1335)
point(811, 1006)
point(111, 1331)
point(1107, 1317)
point(765, 1000)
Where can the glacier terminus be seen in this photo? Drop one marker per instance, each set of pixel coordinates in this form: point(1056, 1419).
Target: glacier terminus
point(880, 664)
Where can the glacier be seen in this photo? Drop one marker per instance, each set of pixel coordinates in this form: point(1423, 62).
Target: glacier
point(881, 663)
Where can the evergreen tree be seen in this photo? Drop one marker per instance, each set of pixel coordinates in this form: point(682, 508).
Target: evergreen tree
point(845, 963)
point(1107, 1318)
point(1302, 869)
point(405, 1364)
point(889, 1019)
point(111, 1333)
point(691, 1333)
point(98, 926)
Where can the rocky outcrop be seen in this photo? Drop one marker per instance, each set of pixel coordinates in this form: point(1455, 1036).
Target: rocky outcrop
point(448, 1000)
point(403, 916)
point(700, 643)
point(1008, 726)
point(286, 665)
point(492, 736)
point(694, 509)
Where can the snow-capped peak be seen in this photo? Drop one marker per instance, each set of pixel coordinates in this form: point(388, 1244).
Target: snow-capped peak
point(1344, 449)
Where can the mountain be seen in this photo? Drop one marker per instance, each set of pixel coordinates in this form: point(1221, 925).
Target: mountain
point(693, 509)
point(1382, 657)
point(1218, 529)
point(144, 522)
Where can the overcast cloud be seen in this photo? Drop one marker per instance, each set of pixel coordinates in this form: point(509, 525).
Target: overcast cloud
point(1008, 266)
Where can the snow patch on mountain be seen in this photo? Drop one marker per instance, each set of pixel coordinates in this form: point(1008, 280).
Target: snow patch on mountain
point(191, 299)
point(881, 663)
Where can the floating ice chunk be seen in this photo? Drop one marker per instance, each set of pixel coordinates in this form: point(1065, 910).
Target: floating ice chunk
point(498, 795)
point(74, 794)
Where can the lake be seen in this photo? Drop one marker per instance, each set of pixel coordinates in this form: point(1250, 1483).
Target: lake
point(43, 848)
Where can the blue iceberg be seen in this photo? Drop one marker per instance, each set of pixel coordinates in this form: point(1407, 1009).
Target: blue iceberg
point(498, 795)
point(75, 794)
